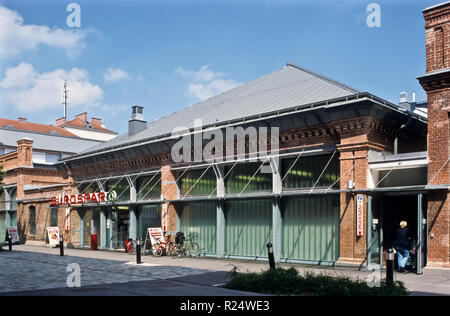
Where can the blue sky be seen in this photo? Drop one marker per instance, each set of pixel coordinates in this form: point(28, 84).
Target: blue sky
point(166, 55)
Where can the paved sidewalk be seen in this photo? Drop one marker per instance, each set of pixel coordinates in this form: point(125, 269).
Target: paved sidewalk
point(34, 268)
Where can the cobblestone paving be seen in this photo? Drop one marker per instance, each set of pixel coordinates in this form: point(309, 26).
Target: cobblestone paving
point(22, 270)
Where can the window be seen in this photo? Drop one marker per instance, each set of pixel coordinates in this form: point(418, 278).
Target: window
point(54, 217)
point(32, 220)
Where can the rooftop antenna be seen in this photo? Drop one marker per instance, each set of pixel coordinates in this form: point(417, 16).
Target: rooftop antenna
point(65, 96)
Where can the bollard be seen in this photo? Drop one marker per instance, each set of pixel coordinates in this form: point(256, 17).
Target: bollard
point(390, 266)
point(271, 257)
point(61, 246)
point(10, 242)
point(138, 251)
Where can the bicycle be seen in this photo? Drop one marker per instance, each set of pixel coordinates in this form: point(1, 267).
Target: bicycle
point(160, 248)
point(187, 247)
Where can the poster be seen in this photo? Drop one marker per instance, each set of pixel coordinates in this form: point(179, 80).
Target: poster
point(164, 216)
point(156, 234)
point(359, 215)
point(12, 231)
point(53, 235)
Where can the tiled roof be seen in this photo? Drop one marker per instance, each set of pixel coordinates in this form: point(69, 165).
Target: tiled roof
point(34, 127)
point(77, 122)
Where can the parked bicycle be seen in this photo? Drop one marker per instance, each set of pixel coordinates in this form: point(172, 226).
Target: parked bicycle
point(163, 248)
point(185, 246)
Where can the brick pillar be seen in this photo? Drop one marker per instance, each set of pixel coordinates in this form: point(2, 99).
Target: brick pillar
point(169, 189)
point(436, 83)
point(354, 164)
point(24, 152)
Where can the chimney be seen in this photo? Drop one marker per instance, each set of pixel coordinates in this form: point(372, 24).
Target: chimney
point(403, 97)
point(404, 104)
point(96, 122)
point(137, 122)
point(61, 121)
point(82, 116)
point(22, 119)
point(25, 152)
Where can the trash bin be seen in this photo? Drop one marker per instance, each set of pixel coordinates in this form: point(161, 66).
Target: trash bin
point(94, 241)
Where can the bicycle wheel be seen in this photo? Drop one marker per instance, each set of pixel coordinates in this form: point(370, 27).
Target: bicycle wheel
point(193, 250)
point(180, 250)
point(157, 250)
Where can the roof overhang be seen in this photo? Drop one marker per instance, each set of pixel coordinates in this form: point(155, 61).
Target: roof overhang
point(322, 109)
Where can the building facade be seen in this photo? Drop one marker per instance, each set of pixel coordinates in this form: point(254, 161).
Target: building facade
point(310, 179)
point(28, 154)
point(322, 171)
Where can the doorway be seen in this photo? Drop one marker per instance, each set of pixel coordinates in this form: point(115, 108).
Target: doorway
point(120, 222)
point(386, 211)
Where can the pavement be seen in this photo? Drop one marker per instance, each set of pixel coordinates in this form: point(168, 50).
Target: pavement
point(33, 270)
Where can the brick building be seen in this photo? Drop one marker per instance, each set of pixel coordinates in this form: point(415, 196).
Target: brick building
point(436, 83)
point(28, 153)
point(324, 172)
point(324, 146)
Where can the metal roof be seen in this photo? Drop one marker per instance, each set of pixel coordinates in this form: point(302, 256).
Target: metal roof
point(436, 6)
point(47, 142)
point(285, 88)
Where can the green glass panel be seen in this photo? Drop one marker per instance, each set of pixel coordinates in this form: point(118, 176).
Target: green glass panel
point(148, 187)
point(248, 227)
point(121, 187)
point(311, 229)
point(199, 220)
point(239, 179)
point(194, 182)
point(148, 216)
point(305, 172)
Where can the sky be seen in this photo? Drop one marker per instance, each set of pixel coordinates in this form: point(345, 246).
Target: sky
point(167, 55)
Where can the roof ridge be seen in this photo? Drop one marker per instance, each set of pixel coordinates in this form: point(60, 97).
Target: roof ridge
point(332, 81)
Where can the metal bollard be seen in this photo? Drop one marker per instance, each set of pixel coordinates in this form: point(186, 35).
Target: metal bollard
point(10, 242)
point(390, 266)
point(138, 251)
point(270, 255)
point(61, 245)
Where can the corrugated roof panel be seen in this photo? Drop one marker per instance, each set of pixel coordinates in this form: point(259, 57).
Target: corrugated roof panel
point(285, 88)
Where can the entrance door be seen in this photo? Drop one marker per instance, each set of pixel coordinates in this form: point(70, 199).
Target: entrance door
point(120, 219)
point(374, 235)
point(391, 209)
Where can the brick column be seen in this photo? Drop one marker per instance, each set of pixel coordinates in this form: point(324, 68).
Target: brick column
point(170, 191)
point(436, 83)
point(354, 164)
point(24, 152)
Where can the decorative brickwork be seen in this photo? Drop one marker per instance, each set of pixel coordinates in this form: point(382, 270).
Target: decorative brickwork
point(437, 85)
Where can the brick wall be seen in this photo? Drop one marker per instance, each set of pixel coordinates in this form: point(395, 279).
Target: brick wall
point(169, 189)
point(437, 86)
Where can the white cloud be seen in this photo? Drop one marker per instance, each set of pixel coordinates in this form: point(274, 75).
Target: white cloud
point(115, 74)
point(30, 91)
point(15, 36)
point(206, 83)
